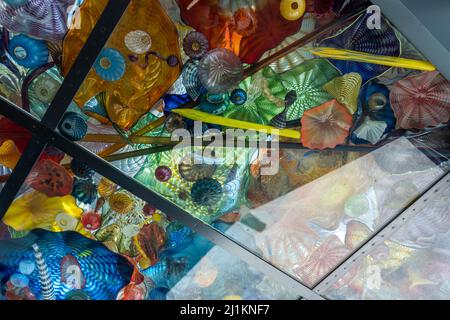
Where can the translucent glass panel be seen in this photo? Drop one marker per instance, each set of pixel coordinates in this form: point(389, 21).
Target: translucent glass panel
point(72, 234)
point(13, 141)
point(310, 229)
point(413, 263)
point(31, 50)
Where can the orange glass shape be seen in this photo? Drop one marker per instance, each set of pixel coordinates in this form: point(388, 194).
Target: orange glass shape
point(144, 39)
point(248, 28)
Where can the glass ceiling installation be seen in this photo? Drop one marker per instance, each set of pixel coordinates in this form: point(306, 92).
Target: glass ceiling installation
point(346, 137)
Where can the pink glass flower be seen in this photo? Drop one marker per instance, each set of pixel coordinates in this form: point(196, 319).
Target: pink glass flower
point(421, 101)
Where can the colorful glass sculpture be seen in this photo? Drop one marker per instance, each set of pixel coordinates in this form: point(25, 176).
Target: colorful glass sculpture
point(421, 101)
point(345, 90)
point(280, 120)
point(110, 65)
point(65, 261)
point(191, 80)
point(370, 130)
point(326, 126)
point(9, 155)
point(191, 171)
point(163, 173)
point(50, 178)
point(45, 19)
point(36, 210)
point(376, 114)
point(65, 222)
point(307, 80)
point(220, 70)
point(238, 96)
point(358, 37)
point(238, 124)
point(106, 188)
point(80, 169)
point(73, 126)
point(45, 86)
point(264, 100)
point(28, 52)
point(328, 255)
point(91, 220)
point(298, 56)
point(395, 74)
point(206, 192)
point(292, 9)
point(121, 202)
point(241, 27)
point(9, 130)
point(136, 67)
point(214, 103)
point(84, 190)
point(195, 45)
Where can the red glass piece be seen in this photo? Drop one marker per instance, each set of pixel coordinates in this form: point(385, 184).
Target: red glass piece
point(248, 31)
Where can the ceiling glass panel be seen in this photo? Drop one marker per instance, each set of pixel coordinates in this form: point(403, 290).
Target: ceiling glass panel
point(73, 234)
point(413, 263)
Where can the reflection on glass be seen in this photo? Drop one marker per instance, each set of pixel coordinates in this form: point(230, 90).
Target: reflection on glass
point(413, 263)
point(72, 234)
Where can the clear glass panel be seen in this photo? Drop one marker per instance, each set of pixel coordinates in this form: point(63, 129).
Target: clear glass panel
point(31, 45)
point(73, 234)
point(13, 141)
point(412, 264)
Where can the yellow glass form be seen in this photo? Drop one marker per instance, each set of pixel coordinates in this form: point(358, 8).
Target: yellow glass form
point(146, 59)
point(232, 123)
point(350, 55)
